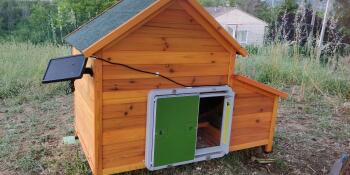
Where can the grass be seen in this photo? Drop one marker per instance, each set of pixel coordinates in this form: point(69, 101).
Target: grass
point(34, 117)
point(277, 66)
point(22, 67)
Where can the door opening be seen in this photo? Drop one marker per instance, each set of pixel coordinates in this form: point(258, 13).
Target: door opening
point(210, 122)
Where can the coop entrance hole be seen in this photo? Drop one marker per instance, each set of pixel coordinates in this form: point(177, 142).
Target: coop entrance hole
point(210, 122)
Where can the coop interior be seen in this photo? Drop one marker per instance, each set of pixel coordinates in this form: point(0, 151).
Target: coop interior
point(210, 122)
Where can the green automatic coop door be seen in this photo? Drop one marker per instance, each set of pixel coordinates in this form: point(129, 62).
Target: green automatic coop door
point(177, 123)
point(175, 130)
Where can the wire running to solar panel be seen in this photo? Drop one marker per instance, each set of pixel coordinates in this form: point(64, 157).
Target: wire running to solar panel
point(146, 72)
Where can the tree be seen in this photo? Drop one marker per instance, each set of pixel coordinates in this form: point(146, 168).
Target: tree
point(216, 3)
point(38, 27)
point(343, 14)
point(10, 15)
point(51, 21)
point(249, 6)
point(266, 13)
point(83, 10)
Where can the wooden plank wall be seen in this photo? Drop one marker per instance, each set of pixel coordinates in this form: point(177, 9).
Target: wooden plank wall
point(84, 109)
point(173, 44)
point(252, 116)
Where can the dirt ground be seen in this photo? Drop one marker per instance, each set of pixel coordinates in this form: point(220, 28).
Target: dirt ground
point(310, 136)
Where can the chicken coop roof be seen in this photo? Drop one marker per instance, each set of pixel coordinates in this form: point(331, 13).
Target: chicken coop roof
point(105, 23)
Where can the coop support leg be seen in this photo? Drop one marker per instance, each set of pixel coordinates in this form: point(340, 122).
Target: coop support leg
point(268, 147)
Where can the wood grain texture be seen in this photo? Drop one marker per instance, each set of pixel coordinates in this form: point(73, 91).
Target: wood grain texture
point(128, 26)
point(261, 86)
point(124, 122)
point(124, 110)
point(84, 111)
point(124, 135)
point(160, 57)
point(161, 83)
point(98, 125)
point(268, 147)
point(124, 168)
point(252, 116)
point(251, 144)
point(111, 72)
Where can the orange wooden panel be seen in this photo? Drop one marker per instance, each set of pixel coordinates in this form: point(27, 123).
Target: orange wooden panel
point(263, 107)
point(251, 144)
point(153, 43)
point(268, 148)
point(124, 110)
point(125, 97)
point(124, 122)
point(97, 125)
point(124, 94)
point(253, 101)
point(177, 16)
point(125, 100)
point(158, 83)
point(124, 135)
point(154, 38)
point(175, 6)
point(151, 57)
point(84, 118)
point(244, 139)
point(190, 26)
point(85, 150)
point(249, 82)
point(82, 122)
point(119, 162)
point(251, 120)
point(246, 88)
point(123, 149)
point(128, 26)
point(252, 116)
point(152, 31)
point(124, 168)
point(122, 154)
point(169, 70)
point(83, 111)
point(85, 88)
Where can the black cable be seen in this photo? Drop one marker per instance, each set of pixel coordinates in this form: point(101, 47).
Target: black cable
point(146, 72)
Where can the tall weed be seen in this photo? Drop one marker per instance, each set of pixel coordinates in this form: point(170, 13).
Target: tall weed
point(278, 66)
point(22, 68)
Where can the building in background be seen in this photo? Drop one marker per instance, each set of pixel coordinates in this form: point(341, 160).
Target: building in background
point(246, 28)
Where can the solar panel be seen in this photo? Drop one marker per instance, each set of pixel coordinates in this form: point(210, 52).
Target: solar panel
point(65, 68)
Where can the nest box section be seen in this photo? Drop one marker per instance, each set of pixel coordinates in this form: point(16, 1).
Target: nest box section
point(155, 88)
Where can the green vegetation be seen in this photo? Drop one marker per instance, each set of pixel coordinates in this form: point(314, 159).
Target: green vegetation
point(46, 21)
point(280, 66)
point(22, 67)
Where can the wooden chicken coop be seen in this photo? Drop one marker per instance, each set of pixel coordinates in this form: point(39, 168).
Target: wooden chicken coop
point(163, 91)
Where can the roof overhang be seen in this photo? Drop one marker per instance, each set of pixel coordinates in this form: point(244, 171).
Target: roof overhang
point(260, 86)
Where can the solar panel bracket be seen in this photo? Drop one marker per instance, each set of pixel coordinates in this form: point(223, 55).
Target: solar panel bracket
point(89, 71)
